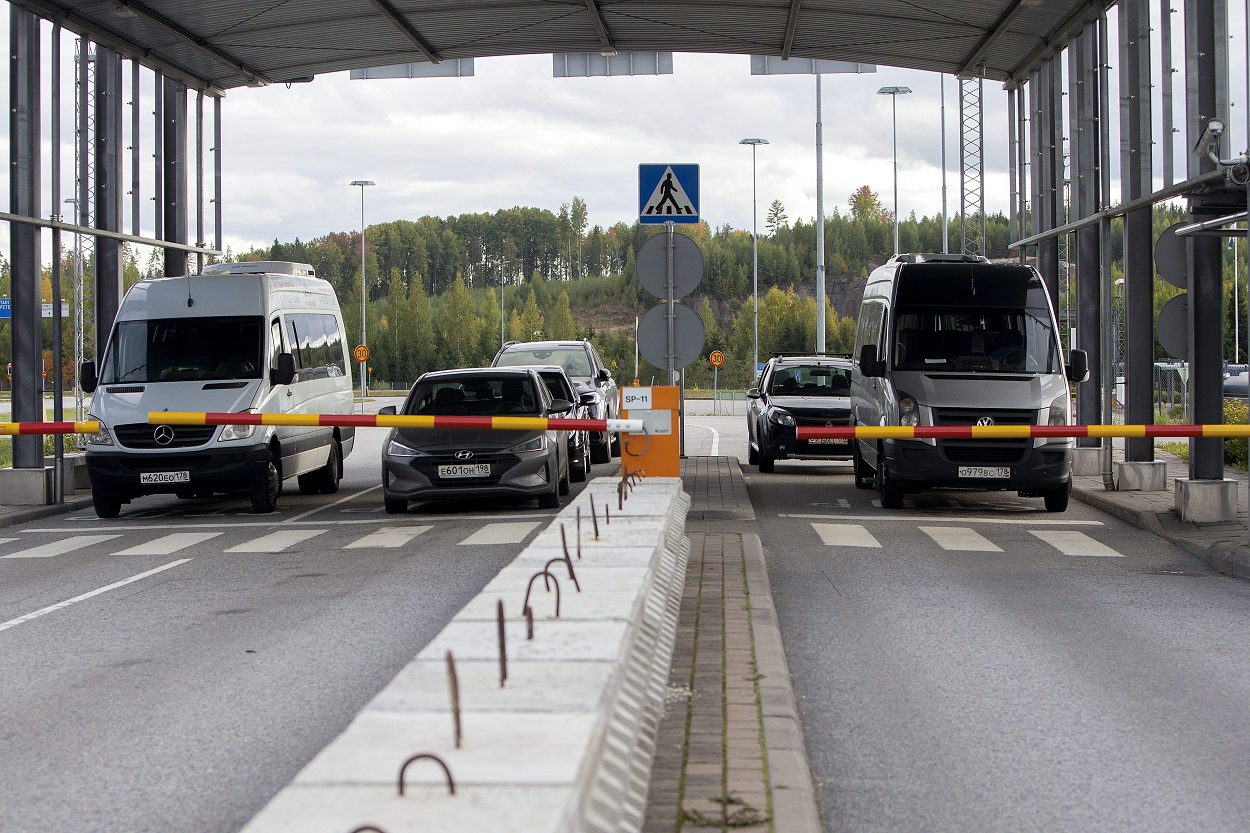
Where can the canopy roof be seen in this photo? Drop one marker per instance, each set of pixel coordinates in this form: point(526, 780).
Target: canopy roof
point(232, 43)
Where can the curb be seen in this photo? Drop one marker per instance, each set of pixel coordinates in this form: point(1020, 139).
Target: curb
point(1231, 558)
point(793, 795)
point(11, 515)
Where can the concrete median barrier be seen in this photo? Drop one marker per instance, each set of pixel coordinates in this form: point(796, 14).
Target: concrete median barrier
point(566, 742)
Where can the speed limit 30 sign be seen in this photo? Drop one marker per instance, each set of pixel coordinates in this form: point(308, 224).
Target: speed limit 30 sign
point(717, 358)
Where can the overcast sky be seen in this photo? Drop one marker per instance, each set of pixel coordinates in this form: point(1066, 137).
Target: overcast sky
point(512, 135)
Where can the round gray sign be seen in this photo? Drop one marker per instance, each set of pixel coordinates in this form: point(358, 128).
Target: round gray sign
point(1174, 327)
point(1170, 257)
point(653, 265)
point(687, 333)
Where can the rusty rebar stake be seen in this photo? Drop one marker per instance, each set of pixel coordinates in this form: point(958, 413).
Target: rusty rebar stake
point(568, 562)
point(368, 828)
point(595, 518)
point(503, 645)
point(529, 623)
point(454, 683)
point(451, 785)
point(546, 574)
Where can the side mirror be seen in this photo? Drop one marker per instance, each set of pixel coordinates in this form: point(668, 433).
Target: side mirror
point(869, 365)
point(386, 410)
point(753, 393)
point(603, 375)
point(560, 406)
point(1078, 366)
point(87, 378)
point(284, 373)
point(587, 399)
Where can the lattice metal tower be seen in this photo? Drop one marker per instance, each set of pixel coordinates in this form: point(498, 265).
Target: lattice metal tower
point(971, 168)
point(84, 179)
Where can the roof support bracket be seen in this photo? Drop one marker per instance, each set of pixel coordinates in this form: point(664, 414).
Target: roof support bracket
point(409, 31)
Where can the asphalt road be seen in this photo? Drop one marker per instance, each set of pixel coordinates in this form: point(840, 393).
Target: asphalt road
point(974, 663)
point(184, 700)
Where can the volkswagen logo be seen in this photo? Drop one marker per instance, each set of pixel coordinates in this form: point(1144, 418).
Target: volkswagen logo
point(464, 455)
point(163, 435)
point(985, 420)
point(828, 424)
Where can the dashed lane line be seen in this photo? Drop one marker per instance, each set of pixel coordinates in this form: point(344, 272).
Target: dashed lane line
point(62, 605)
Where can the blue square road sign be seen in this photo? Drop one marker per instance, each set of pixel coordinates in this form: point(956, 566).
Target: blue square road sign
point(668, 193)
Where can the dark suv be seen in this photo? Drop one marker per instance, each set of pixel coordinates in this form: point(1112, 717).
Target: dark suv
point(584, 366)
point(809, 390)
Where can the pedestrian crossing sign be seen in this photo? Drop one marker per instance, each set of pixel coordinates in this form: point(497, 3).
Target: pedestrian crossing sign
point(668, 193)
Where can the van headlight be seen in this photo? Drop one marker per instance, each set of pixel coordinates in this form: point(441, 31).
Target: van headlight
point(908, 410)
point(238, 432)
point(539, 443)
point(1061, 411)
point(101, 437)
point(781, 417)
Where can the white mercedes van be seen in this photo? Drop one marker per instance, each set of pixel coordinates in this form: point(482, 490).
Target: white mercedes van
point(957, 340)
point(263, 337)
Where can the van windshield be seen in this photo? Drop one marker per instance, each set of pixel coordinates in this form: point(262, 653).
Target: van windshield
point(184, 349)
point(1007, 341)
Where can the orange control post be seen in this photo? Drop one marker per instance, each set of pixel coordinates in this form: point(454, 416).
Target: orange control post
point(657, 451)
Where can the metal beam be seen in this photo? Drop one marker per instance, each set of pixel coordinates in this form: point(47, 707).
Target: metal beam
point(1059, 36)
point(995, 33)
point(601, 26)
point(401, 23)
point(105, 36)
point(258, 78)
point(792, 24)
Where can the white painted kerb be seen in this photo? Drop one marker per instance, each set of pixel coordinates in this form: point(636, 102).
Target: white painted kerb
point(567, 743)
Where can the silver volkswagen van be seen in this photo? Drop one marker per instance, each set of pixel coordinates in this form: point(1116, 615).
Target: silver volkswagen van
point(957, 340)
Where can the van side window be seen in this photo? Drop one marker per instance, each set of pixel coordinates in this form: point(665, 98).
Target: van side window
point(869, 330)
point(316, 342)
point(275, 342)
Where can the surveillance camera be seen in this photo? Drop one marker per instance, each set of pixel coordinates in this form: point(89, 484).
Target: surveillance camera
point(1209, 142)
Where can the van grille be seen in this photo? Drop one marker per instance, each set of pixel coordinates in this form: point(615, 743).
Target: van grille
point(997, 452)
point(143, 435)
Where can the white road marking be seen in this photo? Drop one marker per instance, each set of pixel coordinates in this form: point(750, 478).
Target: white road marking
point(959, 538)
point(931, 519)
point(7, 540)
point(73, 542)
point(510, 533)
point(845, 535)
point(396, 536)
point(1075, 543)
point(715, 450)
point(352, 496)
point(61, 605)
point(237, 524)
point(169, 544)
point(277, 541)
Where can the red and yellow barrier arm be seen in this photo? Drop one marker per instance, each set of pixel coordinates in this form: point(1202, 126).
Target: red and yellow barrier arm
point(497, 423)
point(9, 429)
point(964, 432)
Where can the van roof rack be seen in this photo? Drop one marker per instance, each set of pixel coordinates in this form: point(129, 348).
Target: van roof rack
point(784, 354)
point(938, 257)
point(261, 267)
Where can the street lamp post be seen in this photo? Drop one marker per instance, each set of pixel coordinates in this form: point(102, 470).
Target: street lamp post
point(755, 257)
point(363, 365)
point(894, 93)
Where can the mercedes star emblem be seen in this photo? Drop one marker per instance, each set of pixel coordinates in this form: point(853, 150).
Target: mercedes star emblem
point(164, 434)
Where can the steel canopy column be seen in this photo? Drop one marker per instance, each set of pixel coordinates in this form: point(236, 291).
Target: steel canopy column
point(174, 144)
point(24, 181)
point(1136, 161)
point(1047, 174)
point(108, 188)
point(1083, 133)
point(1207, 80)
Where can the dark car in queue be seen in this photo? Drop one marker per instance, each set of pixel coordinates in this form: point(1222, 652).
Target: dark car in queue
point(561, 387)
point(793, 391)
point(585, 367)
point(457, 463)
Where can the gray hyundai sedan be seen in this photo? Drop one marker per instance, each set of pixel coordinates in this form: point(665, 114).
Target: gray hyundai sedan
point(455, 463)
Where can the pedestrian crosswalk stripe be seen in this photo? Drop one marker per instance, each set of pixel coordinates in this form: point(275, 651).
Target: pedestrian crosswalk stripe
point(7, 540)
point(395, 536)
point(167, 544)
point(277, 541)
point(1069, 542)
point(959, 538)
point(845, 535)
point(503, 533)
point(73, 542)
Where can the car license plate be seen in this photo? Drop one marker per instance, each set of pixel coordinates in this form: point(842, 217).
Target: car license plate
point(826, 441)
point(165, 477)
point(465, 470)
point(985, 471)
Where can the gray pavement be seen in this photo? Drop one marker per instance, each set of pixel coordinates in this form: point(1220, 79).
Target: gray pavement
point(730, 749)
